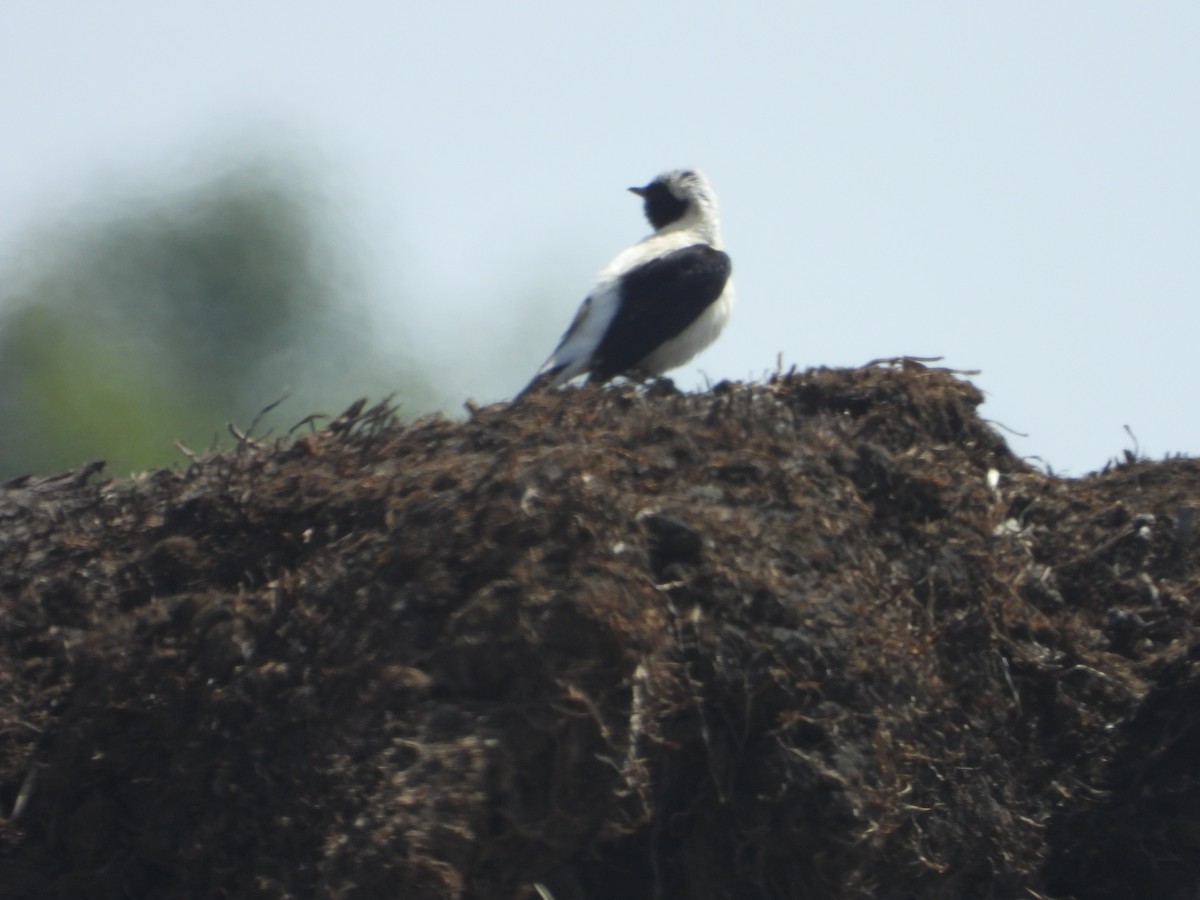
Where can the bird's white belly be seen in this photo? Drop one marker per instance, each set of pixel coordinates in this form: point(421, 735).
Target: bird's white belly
point(681, 348)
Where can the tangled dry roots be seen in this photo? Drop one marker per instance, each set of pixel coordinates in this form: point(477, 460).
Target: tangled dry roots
point(823, 637)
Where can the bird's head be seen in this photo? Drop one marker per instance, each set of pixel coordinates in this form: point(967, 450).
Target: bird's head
point(681, 198)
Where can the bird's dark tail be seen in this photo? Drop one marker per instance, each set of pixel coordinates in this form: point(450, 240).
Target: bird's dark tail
point(540, 381)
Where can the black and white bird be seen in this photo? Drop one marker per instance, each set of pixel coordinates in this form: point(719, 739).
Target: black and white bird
point(660, 302)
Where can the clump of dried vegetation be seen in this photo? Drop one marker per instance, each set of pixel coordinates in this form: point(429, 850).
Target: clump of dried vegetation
point(823, 637)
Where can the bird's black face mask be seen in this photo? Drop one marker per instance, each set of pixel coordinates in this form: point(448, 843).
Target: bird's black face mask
point(662, 207)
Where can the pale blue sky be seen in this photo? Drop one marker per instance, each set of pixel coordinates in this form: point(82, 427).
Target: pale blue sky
point(1012, 186)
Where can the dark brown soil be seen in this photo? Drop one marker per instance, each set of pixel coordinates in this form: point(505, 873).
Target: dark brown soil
point(820, 638)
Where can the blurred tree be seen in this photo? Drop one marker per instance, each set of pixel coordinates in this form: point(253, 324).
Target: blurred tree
point(165, 319)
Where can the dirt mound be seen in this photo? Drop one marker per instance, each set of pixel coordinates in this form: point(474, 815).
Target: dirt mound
point(822, 637)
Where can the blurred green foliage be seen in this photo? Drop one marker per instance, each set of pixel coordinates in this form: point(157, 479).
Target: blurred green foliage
point(164, 319)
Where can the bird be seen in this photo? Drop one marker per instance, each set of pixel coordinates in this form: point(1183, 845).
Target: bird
point(659, 302)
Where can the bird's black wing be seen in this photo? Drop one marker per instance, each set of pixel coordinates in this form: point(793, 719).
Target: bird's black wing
point(659, 299)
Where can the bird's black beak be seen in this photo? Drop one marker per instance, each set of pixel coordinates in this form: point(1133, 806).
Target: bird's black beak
point(641, 192)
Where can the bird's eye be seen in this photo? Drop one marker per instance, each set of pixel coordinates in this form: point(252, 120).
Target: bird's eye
point(688, 174)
